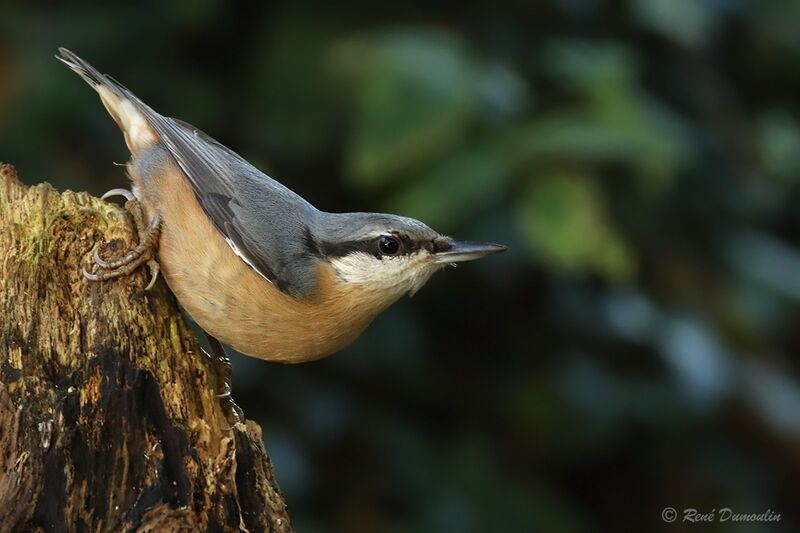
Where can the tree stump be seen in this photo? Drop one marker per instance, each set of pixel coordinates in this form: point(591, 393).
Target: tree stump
point(108, 414)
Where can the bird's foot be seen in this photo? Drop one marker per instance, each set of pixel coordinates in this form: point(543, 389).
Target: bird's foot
point(139, 254)
point(224, 371)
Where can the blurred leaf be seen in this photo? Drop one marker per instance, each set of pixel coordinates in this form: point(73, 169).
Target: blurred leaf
point(774, 395)
point(415, 92)
point(564, 219)
point(698, 360)
point(457, 187)
point(779, 136)
point(503, 91)
point(653, 149)
point(612, 121)
point(768, 263)
point(584, 65)
point(688, 22)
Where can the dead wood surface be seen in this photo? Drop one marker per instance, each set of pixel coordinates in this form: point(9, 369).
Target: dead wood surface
point(108, 419)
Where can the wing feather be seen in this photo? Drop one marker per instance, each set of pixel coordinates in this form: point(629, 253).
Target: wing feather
point(212, 169)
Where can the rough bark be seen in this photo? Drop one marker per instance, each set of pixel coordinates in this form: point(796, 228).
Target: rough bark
point(108, 419)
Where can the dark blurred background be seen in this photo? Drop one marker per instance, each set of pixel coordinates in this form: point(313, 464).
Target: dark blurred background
point(636, 348)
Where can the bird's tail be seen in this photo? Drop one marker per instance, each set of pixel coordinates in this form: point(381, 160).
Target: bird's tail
point(125, 108)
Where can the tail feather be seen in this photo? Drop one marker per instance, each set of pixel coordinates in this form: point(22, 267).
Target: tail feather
point(90, 74)
point(124, 107)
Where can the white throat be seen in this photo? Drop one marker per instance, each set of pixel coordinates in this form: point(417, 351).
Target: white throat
point(398, 275)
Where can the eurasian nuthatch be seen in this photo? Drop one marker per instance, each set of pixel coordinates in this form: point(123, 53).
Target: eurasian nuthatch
point(256, 266)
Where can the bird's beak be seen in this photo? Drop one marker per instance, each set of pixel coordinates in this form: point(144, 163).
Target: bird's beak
point(453, 251)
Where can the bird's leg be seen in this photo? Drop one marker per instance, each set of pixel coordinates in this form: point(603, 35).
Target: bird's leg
point(141, 253)
point(224, 370)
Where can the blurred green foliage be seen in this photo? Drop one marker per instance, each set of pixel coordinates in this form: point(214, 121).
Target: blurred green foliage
point(637, 346)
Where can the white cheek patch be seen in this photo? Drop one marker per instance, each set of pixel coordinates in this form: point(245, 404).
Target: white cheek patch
point(367, 269)
point(397, 274)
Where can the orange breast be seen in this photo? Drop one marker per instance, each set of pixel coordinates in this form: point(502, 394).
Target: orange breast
point(231, 301)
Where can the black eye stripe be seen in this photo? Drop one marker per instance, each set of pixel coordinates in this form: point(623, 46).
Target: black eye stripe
point(369, 246)
point(341, 249)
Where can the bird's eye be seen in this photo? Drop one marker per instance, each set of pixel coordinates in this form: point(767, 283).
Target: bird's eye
point(388, 245)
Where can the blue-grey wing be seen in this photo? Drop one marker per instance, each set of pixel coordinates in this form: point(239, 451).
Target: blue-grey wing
point(260, 218)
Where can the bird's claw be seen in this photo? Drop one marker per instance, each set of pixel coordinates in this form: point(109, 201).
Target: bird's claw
point(224, 370)
point(140, 254)
point(155, 268)
point(129, 196)
point(88, 275)
point(98, 260)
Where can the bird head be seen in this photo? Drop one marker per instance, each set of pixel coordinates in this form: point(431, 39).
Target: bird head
point(391, 254)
